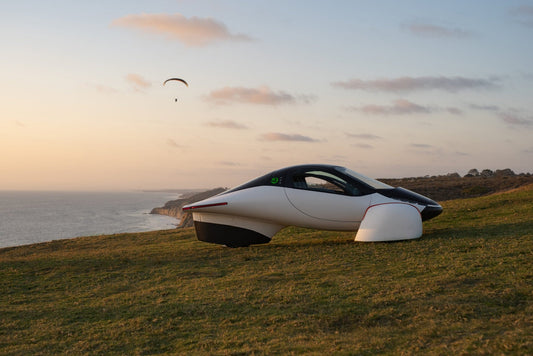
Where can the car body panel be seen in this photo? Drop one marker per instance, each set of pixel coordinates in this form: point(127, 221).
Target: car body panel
point(326, 206)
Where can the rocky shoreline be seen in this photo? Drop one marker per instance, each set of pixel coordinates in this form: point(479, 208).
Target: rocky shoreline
point(439, 188)
point(173, 207)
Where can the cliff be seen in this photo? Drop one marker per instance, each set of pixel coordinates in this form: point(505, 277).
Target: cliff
point(173, 207)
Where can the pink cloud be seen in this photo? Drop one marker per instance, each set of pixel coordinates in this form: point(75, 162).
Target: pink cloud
point(516, 119)
point(408, 84)
point(363, 145)
point(399, 107)
point(420, 145)
point(424, 148)
point(493, 108)
point(363, 136)
point(137, 81)
point(276, 136)
point(229, 163)
point(454, 111)
point(193, 31)
point(101, 88)
point(172, 143)
point(227, 124)
point(262, 95)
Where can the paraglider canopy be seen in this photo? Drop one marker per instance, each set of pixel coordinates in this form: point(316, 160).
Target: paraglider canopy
point(176, 79)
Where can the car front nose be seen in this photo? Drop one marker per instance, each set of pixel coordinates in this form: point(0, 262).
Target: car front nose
point(428, 207)
point(430, 211)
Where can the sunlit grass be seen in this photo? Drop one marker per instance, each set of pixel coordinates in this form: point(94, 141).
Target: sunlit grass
point(465, 287)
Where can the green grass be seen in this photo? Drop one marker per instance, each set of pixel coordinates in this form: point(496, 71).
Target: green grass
point(465, 287)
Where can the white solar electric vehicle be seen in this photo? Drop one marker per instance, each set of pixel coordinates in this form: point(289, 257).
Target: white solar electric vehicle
point(316, 196)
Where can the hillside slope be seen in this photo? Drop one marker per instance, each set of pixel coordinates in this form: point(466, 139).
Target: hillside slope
point(453, 186)
point(465, 287)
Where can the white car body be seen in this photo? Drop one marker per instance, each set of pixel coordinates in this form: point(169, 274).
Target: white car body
point(313, 196)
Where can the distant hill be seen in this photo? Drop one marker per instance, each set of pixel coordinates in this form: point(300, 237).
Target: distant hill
point(453, 186)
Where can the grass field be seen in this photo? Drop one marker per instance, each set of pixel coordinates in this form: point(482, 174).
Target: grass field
point(465, 287)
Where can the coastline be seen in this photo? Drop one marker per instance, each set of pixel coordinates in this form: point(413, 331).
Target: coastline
point(173, 207)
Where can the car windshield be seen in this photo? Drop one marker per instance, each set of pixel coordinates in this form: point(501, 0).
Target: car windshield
point(376, 184)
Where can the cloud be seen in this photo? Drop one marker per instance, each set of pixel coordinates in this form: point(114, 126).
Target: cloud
point(101, 88)
point(512, 117)
point(276, 136)
point(424, 148)
point(399, 107)
point(515, 119)
point(364, 136)
point(408, 84)
point(229, 163)
point(262, 96)
point(193, 31)
point(420, 145)
point(173, 144)
point(227, 124)
point(403, 107)
point(433, 31)
point(460, 153)
point(523, 15)
point(137, 81)
point(335, 159)
point(363, 145)
point(454, 111)
point(493, 108)
point(528, 76)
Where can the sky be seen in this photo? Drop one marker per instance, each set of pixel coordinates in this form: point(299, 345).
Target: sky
point(387, 88)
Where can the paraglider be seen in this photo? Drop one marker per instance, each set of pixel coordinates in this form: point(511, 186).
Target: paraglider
point(177, 80)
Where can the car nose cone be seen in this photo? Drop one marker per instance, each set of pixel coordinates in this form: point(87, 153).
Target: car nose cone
point(431, 207)
point(430, 211)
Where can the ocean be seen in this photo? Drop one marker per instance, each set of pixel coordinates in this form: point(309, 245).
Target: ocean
point(31, 217)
